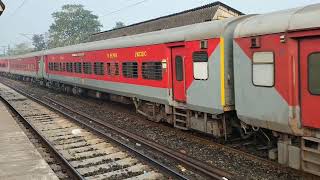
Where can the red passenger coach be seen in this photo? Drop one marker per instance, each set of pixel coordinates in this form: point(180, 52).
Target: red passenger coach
point(138, 65)
point(163, 66)
point(277, 80)
point(25, 64)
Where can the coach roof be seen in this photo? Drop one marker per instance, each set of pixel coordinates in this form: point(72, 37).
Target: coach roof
point(280, 21)
point(204, 30)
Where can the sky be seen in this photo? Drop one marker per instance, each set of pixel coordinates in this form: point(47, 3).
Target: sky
point(34, 16)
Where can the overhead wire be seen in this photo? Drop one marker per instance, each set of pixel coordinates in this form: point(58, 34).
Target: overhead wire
point(126, 7)
point(19, 7)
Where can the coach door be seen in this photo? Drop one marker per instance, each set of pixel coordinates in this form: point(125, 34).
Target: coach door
point(178, 69)
point(310, 82)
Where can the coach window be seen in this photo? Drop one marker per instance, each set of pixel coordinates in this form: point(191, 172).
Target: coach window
point(263, 69)
point(87, 68)
point(130, 69)
point(314, 73)
point(50, 66)
point(78, 67)
point(63, 67)
point(113, 69)
point(56, 66)
point(179, 68)
point(69, 67)
point(99, 68)
point(109, 69)
point(60, 67)
point(200, 65)
point(152, 70)
point(116, 67)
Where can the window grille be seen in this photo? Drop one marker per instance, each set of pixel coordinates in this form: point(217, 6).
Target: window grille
point(87, 67)
point(99, 68)
point(63, 66)
point(56, 66)
point(116, 67)
point(130, 69)
point(50, 66)
point(77, 67)
point(113, 69)
point(69, 67)
point(152, 70)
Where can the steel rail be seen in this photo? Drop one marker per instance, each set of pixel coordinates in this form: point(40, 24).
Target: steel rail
point(90, 126)
point(207, 169)
point(71, 169)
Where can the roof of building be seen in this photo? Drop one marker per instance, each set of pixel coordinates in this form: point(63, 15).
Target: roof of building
point(280, 21)
point(170, 21)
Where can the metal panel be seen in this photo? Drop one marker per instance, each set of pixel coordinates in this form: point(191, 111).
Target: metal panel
point(280, 21)
point(207, 94)
point(159, 95)
point(257, 106)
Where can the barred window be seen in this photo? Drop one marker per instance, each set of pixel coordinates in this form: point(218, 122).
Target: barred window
point(63, 66)
point(113, 69)
point(69, 67)
point(99, 68)
point(50, 66)
point(87, 68)
point(116, 69)
point(77, 67)
point(109, 69)
point(56, 66)
point(130, 69)
point(152, 70)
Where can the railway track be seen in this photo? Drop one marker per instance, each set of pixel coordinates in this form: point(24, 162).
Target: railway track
point(88, 155)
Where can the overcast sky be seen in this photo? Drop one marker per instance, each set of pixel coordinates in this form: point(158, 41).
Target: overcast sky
point(34, 16)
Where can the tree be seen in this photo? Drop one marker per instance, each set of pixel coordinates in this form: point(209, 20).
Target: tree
point(119, 24)
point(72, 25)
point(21, 48)
point(39, 42)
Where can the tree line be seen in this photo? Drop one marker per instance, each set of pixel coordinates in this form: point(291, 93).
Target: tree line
point(73, 24)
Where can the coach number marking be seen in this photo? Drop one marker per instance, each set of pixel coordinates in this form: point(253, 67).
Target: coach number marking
point(112, 55)
point(141, 54)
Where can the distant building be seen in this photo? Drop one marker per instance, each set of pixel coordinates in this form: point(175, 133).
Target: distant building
point(2, 7)
point(213, 11)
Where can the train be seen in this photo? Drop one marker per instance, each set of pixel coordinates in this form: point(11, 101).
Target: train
point(241, 75)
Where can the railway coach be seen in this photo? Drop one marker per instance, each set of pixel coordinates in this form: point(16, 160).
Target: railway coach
point(256, 74)
point(277, 81)
point(181, 75)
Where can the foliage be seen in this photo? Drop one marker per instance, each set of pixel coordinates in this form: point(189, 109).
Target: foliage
point(39, 42)
point(72, 25)
point(119, 24)
point(21, 48)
